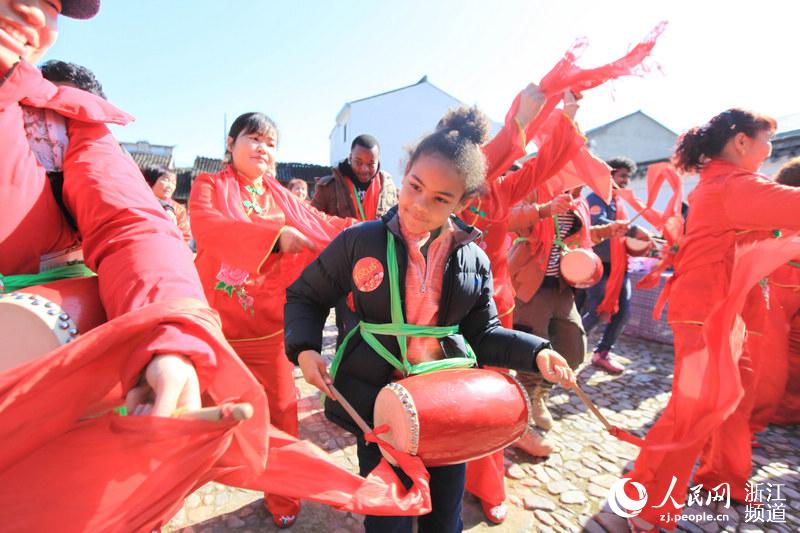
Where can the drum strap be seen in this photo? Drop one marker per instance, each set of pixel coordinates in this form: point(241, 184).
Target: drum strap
point(20, 281)
point(557, 241)
point(399, 329)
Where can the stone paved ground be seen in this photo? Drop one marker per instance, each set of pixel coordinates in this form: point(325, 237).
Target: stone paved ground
point(565, 492)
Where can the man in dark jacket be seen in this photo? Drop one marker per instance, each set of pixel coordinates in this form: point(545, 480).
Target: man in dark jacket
point(357, 188)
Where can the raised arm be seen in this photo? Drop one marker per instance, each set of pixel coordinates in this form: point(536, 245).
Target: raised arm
point(137, 252)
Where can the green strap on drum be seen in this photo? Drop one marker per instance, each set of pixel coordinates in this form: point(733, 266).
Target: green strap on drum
point(20, 281)
point(557, 241)
point(399, 329)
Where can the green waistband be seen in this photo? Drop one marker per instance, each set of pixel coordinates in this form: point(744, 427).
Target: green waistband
point(20, 281)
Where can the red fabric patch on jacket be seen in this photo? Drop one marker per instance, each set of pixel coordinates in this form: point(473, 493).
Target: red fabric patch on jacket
point(367, 274)
point(351, 304)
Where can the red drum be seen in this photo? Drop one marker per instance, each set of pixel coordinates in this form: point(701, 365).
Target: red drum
point(452, 416)
point(41, 318)
point(637, 247)
point(581, 268)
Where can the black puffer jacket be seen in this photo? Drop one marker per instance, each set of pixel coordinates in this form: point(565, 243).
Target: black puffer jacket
point(466, 301)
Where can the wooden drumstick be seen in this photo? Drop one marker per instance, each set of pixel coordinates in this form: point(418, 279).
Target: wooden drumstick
point(217, 413)
point(588, 403)
point(360, 422)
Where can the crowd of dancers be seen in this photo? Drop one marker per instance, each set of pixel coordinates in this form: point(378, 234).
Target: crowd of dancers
point(474, 261)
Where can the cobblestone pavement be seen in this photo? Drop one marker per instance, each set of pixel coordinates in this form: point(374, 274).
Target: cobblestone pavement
point(565, 492)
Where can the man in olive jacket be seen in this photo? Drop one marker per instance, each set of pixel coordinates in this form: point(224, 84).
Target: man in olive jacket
point(357, 188)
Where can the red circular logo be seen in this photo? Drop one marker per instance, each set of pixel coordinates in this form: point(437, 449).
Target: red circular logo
point(368, 274)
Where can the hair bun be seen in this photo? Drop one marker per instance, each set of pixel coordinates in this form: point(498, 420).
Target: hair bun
point(468, 122)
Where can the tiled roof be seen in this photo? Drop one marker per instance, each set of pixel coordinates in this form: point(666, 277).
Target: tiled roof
point(206, 164)
point(286, 171)
point(183, 185)
point(305, 171)
point(144, 160)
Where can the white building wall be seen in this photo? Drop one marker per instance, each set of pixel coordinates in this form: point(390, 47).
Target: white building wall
point(397, 119)
point(636, 136)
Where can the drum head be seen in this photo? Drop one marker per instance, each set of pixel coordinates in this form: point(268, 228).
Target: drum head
point(25, 336)
point(401, 418)
point(578, 265)
point(581, 268)
point(637, 247)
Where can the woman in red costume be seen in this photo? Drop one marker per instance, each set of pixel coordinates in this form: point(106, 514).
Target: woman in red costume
point(121, 262)
point(253, 239)
point(779, 393)
point(731, 202)
point(162, 344)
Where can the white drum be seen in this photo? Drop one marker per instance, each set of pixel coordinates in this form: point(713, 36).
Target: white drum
point(42, 318)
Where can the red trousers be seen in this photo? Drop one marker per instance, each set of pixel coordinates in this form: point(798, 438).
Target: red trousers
point(772, 347)
point(785, 408)
point(486, 476)
point(724, 458)
point(267, 360)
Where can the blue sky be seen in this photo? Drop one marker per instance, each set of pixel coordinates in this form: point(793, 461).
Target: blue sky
point(180, 65)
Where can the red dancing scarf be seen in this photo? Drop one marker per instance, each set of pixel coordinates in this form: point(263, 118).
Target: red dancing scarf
point(619, 266)
point(671, 219)
point(670, 222)
point(367, 209)
point(567, 76)
point(116, 473)
point(119, 474)
point(709, 387)
point(584, 169)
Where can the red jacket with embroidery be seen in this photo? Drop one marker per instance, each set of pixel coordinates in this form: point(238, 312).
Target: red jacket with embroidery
point(236, 223)
point(127, 238)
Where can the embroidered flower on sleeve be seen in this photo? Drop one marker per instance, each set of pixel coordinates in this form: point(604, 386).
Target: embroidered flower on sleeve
point(232, 280)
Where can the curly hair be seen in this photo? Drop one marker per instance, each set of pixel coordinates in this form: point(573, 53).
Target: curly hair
point(789, 173)
point(619, 162)
point(703, 142)
point(79, 76)
point(458, 138)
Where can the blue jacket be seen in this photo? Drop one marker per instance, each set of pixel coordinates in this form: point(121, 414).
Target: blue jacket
point(603, 213)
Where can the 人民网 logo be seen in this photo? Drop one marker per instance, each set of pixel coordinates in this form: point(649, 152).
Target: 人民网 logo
point(621, 504)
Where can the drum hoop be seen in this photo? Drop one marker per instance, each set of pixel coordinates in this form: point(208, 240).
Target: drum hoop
point(411, 411)
point(526, 396)
point(66, 330)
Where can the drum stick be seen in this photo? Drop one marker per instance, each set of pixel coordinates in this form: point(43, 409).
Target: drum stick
point(588, 403)
point(217, 413)
point(631, 221)
point(360, 422)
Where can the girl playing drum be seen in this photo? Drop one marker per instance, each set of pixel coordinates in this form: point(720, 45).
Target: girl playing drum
point(444, 280)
